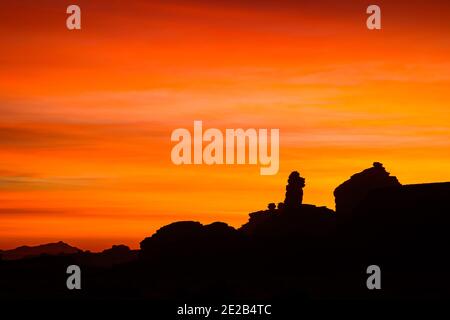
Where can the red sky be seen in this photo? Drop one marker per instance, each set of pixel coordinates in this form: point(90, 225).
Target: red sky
point(86, 116)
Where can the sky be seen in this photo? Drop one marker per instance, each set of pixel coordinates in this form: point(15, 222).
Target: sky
point(87, 115)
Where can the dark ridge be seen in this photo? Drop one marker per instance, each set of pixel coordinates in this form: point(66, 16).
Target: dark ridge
point(58, 248)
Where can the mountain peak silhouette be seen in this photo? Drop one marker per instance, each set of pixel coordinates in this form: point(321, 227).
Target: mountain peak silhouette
point(56, 248)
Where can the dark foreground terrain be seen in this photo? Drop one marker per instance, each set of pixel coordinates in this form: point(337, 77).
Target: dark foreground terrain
point(291, 251)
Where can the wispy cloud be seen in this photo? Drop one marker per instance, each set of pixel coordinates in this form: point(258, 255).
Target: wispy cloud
point(31, 211)
point(19, 182)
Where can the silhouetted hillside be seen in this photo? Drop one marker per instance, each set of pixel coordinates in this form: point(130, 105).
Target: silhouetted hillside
point(117, 254)
point(31, 251)
point(185, 239)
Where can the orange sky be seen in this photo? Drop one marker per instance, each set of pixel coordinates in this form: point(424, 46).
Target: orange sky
point(86, 116)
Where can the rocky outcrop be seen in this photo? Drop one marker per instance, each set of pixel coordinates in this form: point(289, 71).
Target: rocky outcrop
point(294, 191)
point(186, 238)
point(352, 192)
point(291, 218)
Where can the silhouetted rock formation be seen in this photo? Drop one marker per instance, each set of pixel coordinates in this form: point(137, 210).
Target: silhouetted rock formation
point(405, 229)
point(306, 221)
point(271, 207)
point(302, 220)
point(350, 193)
point(186, 238)
point(49, 249)
point(294, 191)
point(295, 251)
point(408, 215)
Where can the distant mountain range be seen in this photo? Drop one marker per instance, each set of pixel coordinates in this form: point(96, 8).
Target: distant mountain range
point(56, 248)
